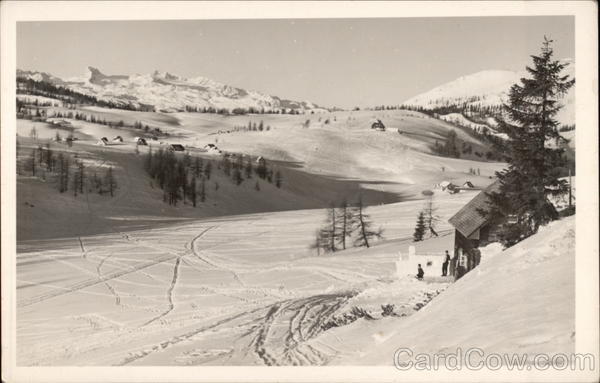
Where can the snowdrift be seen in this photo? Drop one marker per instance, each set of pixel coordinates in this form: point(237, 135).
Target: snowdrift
point(521, 300)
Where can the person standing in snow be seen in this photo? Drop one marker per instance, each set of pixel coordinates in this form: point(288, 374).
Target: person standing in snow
point(445, 265)
point(420, 273)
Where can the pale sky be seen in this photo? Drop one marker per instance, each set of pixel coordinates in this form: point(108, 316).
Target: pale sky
point(332, 62)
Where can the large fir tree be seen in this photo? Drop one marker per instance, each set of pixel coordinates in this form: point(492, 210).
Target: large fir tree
point(533, 166)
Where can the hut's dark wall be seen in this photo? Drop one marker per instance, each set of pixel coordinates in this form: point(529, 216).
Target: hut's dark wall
point(468, 249)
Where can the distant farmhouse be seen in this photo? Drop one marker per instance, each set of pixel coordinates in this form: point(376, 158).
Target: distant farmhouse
point(103, 141)
point(118, 139)
point(448, 186)
point(212, 148)
point(176, 148)
point(140, 141)
point(473, 230)
point(378, 125)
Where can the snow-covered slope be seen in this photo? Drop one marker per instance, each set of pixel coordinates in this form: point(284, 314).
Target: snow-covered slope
point(168, 92)
point(487, 88)
point(518, 300)
point(482, 88)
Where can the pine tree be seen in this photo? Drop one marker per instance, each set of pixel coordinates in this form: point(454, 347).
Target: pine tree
point(420, 228)
point(321, 241)
point(41, 156)
point(534, 169)
point(203, 190)
point(226, 163)
point(110, 181)
point(75, 180)
point(431, 218)
point(365, 233)
point(208, 169)
point(80, 176)
point(193, 190)
point(32, 162)
point(261, 168)
point(148, 161)
point(237, 176)
point(49, 158)
point(197, 166)
point(67, 173)
point(248, 169)
point(347, 222)
point(330, 233)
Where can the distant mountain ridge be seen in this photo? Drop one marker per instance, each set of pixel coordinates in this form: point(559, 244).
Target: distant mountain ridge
point(487, 88)
point(168, 92)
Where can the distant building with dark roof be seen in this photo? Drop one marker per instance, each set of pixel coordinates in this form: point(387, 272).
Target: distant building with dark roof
point(176, 148)
point(473, 230)
point(378, 125)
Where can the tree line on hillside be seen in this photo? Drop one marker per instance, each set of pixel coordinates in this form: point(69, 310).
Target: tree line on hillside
point(240, 111)
point(465, 106)
point(44, 88)
point(342, 223)
point(252, 127)
point(25, 112)
point(22, 102)
point(184, 178)
point(234, 166)
point(453, 147)
point(67, 171)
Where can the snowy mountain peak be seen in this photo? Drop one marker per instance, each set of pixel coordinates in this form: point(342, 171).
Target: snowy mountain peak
point(168, 92)
point(487, 88)
point(95, 76)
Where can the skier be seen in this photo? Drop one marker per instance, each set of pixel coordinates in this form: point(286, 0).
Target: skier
point(420, 273)
point(445, 265)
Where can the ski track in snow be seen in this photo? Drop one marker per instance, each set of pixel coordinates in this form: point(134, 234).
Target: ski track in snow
point(301, 318)
point(92, 282)
point(300, 326)
point(171, 305)
point(108, 285)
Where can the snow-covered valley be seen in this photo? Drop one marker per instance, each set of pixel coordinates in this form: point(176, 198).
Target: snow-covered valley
point(132, 280)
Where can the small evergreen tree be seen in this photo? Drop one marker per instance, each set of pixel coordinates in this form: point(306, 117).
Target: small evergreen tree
point(110, 181)
point(80, 176)
point(203, 190)
point(32, 162)
point(226, 164)
point(420, 228)
point(197, 166)
point(248, 169)
point(237, 176)
point(193, 190)
point(208, 169)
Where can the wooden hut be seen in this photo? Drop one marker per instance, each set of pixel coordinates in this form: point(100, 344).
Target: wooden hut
point(472, 230)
